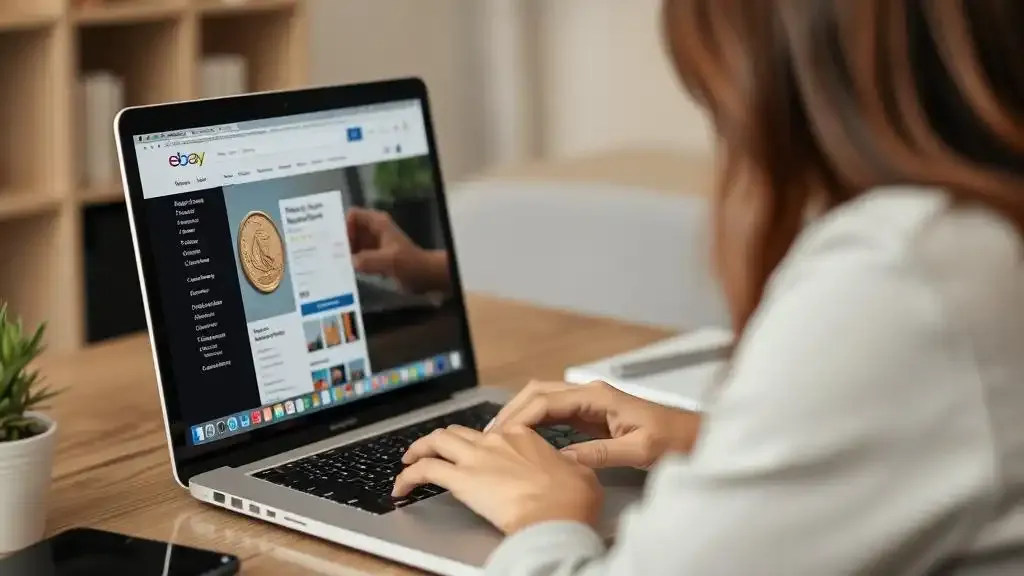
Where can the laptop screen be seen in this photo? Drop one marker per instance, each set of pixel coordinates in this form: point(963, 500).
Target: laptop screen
point(301, 263)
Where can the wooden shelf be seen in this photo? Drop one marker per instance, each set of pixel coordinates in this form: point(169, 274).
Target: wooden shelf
point(126, 12)
point(16, 204)
point(52, 223)
point(226, 7)
point(14, 21)
point(270, 36)
point(153, 70)
point(28, 14)
point(27, 58)
point(30, 251)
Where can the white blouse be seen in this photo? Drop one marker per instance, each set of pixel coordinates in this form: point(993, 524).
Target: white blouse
point(873, 421)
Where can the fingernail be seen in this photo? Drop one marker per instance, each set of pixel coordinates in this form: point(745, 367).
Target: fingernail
point(571, 454)
point(489, 425)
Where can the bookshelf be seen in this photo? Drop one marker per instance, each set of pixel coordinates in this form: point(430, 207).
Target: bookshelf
point(59, 215)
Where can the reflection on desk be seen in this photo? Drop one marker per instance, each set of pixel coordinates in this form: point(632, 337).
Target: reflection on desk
point(245, 542)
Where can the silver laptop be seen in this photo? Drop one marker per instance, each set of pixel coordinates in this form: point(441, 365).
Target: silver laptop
point(290, 384)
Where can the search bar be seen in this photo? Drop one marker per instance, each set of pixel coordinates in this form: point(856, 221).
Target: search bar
point(270, 144)
point(281, 162)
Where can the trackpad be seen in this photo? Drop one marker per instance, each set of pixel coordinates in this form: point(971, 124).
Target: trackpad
point(622, 487)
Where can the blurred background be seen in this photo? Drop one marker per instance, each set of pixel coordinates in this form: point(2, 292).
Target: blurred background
point(577, 170)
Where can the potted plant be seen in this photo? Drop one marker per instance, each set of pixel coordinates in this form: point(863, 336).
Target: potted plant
point(405, 189)
point(26, 437)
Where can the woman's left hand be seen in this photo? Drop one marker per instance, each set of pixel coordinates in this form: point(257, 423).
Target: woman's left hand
point(513, 478)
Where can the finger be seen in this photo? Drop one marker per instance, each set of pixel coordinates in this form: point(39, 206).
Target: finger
point(378, 262)
point(367, 228)
point(357, 219)
point(468, 433)
point(440, 443)
point(560, 406)
point(356, 214)
point(376, 221)
point(626, 451)
point(521, 438)
point(428, 471)
point(528, 392)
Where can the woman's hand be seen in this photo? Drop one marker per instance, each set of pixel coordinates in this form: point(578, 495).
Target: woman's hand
point(629, 431)
point(513, 478)
point(380, 247)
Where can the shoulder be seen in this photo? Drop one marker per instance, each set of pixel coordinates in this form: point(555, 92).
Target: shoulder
point(905, 265)
point(915, 233)
point(927, 262)
point(872, 325)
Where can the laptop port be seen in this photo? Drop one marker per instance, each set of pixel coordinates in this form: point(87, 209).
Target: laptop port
point(236, 503)
point(218, 497)
point(254, 509)
point(271, 514)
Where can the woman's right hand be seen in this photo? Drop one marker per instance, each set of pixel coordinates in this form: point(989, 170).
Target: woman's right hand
point(628, 431)
point(380, 247)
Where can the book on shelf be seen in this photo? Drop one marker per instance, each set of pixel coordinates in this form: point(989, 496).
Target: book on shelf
point(101, 97)
point(223, 75)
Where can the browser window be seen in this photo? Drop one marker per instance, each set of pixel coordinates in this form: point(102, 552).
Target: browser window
point(267, 317)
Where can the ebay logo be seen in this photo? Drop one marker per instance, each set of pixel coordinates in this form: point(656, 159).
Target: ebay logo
point(194, 159)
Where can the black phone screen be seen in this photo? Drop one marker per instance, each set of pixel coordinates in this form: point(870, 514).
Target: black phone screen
point(89, 552)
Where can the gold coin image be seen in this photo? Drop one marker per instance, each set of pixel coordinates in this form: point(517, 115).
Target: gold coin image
point(261, 252)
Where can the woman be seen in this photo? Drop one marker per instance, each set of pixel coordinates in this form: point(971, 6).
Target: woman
point(868, 239)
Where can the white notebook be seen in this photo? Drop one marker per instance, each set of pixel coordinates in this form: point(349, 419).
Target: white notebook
point(684, 388)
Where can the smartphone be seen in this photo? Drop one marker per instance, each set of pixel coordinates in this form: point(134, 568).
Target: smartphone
point(89, 552)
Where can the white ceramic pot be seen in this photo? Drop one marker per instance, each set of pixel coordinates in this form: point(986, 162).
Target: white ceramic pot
point(25, 470)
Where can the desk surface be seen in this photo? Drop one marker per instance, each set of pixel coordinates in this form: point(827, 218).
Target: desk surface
point(112, 469)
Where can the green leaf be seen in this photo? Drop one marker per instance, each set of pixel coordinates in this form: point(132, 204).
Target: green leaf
point(21, 389)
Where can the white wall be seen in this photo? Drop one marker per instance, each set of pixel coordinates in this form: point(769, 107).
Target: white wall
point(359, 40)
point(607, 82)
point(514, 78)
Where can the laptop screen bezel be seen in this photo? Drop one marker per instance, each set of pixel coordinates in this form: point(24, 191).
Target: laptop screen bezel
point(189, 460)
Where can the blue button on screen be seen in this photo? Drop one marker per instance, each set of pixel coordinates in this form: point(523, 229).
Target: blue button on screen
point(327, 304)
point(355, 134)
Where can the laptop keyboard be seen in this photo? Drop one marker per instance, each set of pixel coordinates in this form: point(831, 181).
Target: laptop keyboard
point(362, 474)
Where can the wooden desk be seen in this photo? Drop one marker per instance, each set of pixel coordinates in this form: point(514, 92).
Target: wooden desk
point(112, 469)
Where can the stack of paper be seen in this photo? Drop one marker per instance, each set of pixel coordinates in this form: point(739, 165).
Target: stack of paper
point(101, 97)
point(685, 387)
point(223, 75)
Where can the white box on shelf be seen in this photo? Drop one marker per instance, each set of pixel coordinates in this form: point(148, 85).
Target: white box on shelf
point(223, 75)
point(102, 96)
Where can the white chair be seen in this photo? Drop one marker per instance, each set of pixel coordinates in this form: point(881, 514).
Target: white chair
point(600, 249)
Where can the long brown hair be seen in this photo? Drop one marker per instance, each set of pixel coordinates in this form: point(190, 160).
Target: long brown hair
point(817, 101)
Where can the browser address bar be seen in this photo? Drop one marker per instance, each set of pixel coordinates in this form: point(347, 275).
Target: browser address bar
point(271, 144)
point(322, 126)
point(331, 124)
point(275, 160)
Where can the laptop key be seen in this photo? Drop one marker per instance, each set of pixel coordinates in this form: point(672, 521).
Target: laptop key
point(402, 502)
point(561, 442)
point(422, 493)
